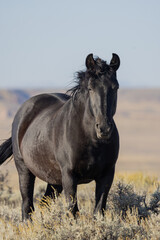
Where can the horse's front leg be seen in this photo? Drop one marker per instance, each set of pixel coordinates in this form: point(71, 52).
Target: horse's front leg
point(103, 186)
point(69, 183)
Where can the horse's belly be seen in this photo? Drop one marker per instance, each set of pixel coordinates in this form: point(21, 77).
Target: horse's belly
point(47, 171)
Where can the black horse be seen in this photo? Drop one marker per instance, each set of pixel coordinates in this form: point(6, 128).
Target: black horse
point(67, 140)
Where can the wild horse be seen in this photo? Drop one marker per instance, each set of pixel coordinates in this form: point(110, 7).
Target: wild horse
point(67, 140)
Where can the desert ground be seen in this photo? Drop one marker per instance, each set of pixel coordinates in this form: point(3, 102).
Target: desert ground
point(138, 120)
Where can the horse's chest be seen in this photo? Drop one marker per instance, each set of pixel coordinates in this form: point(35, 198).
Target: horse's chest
point(87, 165)
point(91, 164)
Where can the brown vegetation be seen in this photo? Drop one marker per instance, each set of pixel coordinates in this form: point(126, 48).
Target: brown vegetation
point(133, 212)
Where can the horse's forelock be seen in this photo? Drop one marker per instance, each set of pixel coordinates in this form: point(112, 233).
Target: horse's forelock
point(82, 77)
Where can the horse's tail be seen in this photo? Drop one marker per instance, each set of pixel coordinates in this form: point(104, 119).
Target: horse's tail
point(6, 150)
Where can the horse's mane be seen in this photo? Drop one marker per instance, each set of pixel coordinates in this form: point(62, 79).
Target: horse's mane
point(82, 77)
point(79, 81)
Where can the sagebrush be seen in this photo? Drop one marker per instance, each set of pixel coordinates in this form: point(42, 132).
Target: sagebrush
point(133, 212)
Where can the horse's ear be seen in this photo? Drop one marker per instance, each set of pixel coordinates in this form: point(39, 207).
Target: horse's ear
point(115, 62)
point(90, 62)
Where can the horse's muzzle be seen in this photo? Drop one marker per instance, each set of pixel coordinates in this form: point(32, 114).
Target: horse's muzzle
point(104, 132)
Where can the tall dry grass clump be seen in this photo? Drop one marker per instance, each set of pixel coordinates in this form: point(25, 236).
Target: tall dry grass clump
point(133, 212)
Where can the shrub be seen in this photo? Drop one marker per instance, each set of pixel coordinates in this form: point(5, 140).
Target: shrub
point(131, 214)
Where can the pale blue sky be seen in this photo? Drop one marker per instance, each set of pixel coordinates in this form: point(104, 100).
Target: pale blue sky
point(43, 43)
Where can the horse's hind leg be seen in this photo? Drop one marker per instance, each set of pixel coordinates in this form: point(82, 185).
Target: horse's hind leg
point(26, 183)
point(53, 191)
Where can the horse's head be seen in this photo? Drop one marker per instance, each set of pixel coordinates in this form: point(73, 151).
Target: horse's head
point(102, 90)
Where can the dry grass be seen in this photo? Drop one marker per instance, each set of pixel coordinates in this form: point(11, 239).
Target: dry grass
point(133, 212)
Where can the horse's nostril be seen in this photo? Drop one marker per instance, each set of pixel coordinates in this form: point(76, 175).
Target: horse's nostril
point(101, 130)
point(97, 125)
